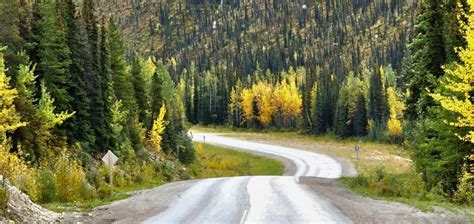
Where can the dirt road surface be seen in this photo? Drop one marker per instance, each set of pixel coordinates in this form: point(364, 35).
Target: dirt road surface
point(309, 193)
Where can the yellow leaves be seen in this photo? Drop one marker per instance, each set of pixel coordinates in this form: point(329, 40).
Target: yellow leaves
point(235, 104)
point(157, 130)
point(257, 103)
point(459, 80)
point(265, 103)
point(396, 105)
point(288, 100)
point(247, 105)
point(9, 118)
point(263, 99)
point(394, 128)
point(70, 178)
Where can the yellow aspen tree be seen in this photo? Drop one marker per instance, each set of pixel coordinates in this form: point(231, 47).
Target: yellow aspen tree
point(247, 105)
point(157, 130)
point(396, 107)
point(9, 118)
point(11, 165)
point(288, 100)
point(458, 82)
point(262, 93)
point(235, 104)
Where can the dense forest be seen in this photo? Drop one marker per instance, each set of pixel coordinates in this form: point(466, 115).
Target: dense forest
point(126, 76)
point(69, 95)
point(374, 69)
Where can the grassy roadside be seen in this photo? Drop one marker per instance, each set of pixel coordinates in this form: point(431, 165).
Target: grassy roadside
point(215, 161)
point(371, 156)
point(212, 161)
point(120, 193)
point(385, 171)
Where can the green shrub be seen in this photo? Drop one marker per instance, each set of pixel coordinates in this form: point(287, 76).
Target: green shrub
point(104, 191)
point(88, 192)
point(3, 198)
point(464, 194)
point(381, 183)
point(47, 186)
point(186, 153)
point(147, 172)
point(70, 179)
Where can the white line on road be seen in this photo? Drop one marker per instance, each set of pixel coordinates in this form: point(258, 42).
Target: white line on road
point(242, 220)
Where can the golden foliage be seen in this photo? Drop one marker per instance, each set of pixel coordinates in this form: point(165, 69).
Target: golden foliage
point(9, 118)
point(70, 178)
point(157, 130)
point(257, 103)
point(288, 100)
point(394, 128)
point(459, 80)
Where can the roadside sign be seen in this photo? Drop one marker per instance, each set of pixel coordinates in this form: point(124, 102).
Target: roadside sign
point(357, 148)
point(109, 159)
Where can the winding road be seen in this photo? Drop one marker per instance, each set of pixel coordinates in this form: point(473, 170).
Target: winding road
point(258, 199)
point(309, 193)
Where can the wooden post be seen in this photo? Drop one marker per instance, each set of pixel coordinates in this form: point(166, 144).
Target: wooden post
point(111, 176)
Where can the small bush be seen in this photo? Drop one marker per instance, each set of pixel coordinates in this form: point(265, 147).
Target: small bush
point(88, 192)
point(381, 183)
point(70, 179)
point(186, 153)
point(47, 185)
point(104, 191)
point(148, 172)
point(464, 194)
point(3, 198)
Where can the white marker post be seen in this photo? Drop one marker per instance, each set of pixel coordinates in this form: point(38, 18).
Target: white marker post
point(110, 159)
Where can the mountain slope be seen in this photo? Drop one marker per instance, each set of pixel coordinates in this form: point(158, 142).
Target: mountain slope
point(234, 36)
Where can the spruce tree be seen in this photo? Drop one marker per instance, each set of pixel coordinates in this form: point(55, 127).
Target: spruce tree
point(429, 54)
point(378, 105)
point(52, 52)
point(360, 117)
point(10, 36)
point(123, 88)
point(79, 128)
point(343, 125)
point(139, 86)
point(324, 106)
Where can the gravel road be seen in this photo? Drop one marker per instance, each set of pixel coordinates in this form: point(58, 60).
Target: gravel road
point(309, 193)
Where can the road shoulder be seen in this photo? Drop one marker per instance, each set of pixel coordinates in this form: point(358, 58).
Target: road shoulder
point(365, 210)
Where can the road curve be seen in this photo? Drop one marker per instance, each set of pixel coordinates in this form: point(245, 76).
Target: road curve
point(257, 199)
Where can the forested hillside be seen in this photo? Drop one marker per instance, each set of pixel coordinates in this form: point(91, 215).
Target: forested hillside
point(375, 69)
point(68, 95)
point(81, 77)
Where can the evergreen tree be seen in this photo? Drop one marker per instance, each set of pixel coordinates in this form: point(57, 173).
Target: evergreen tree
point(343, 125)
point(10, 35)
point(324, 106)
point(196, 99)
point(139, 86)
point(52, 52)
point(123, 86)
point(457, 11)
point(92, 29)
point(378, 105)
point(360, 117)
point(157, 97)
point(79, 128)
point(429, 54)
